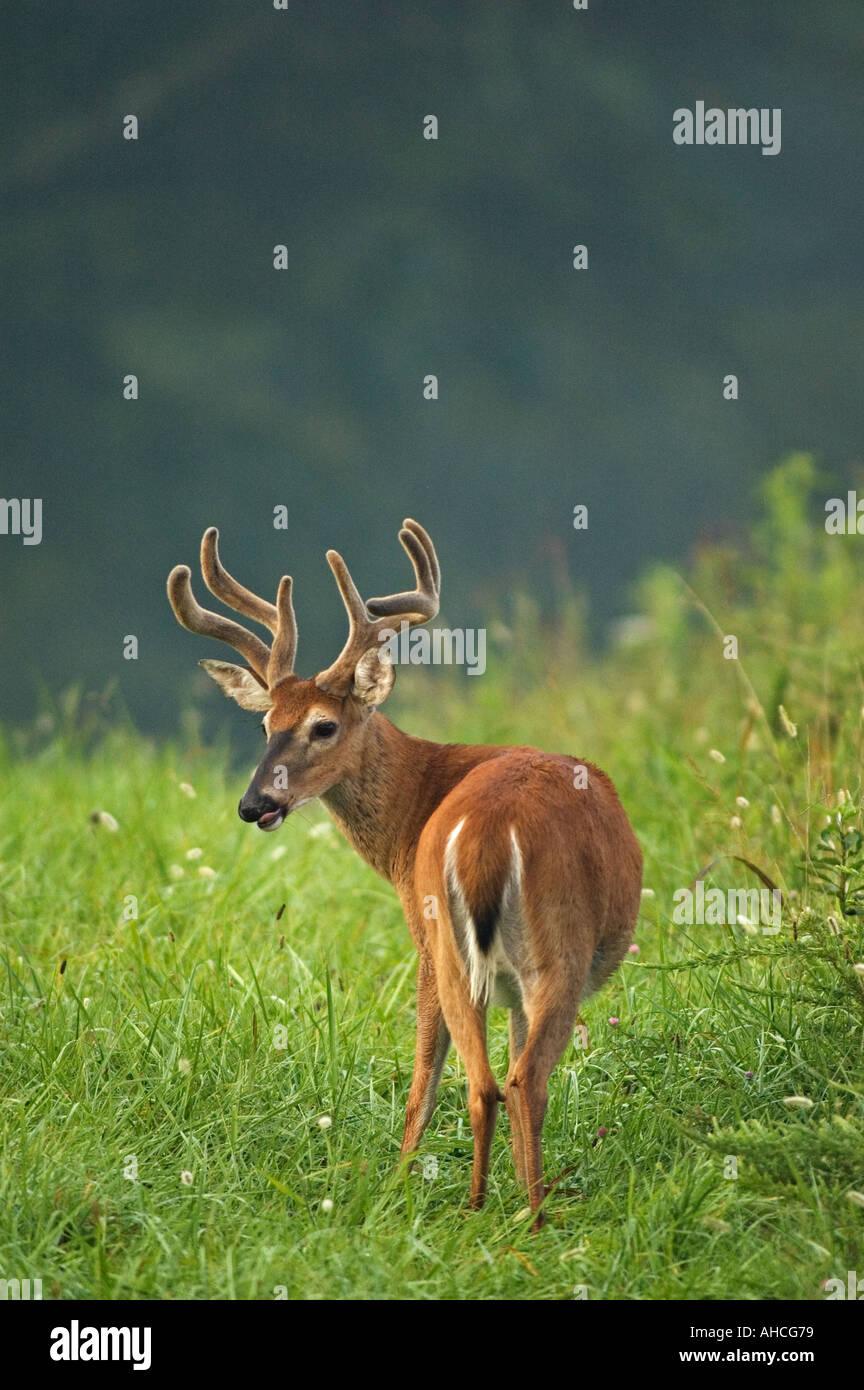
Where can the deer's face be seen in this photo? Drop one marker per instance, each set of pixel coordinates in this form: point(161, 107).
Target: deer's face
point(313, 742)
point(314, 728)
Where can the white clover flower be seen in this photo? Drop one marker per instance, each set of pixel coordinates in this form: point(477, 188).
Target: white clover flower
point(324, 1121)
point(736, 822)
point(327, 1205)
point(741, 801)
point(716, 755)
point(321, 831)
point(648, 893)
point(204, 871)
point(105, 818)
point(799, 1102)
point(188, 790)
point(194, 854)
point(175, 871)
point(186, 1177)
point(278, 851)
point(184, 1065)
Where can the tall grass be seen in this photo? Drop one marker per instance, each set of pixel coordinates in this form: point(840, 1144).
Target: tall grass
point(207, 1033)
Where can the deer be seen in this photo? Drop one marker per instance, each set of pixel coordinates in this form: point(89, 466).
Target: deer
point(517, 870)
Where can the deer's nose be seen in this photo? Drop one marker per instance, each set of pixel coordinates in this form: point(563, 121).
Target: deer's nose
point(253, 806)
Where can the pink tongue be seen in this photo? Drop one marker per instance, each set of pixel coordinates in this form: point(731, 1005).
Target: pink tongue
point(269, 817)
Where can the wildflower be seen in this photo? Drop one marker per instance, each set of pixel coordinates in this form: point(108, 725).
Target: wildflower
point(188, 790)
point(186, 1177)
point(278, 851)
point(175, 871)
point(632, 949)
point(856, 1197)
point(648, 893)
point(324, 1121)
point(327, 1205)
point(194, 853)
point(613, 1022)
point(801, 1102)
point(736, 822)
point(741, 801)
point(105, 818)
point(204, 871)
point(184, 1066)
point(749, 1075)
point(786, 723)
point(601, 1133)
point(859, 969)
point(321, 831)
point(716, 755)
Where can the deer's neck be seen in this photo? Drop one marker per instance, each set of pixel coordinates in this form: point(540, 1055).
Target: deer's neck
point(382, 806)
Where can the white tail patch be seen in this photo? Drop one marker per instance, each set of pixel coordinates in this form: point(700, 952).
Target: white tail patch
point(496, 964)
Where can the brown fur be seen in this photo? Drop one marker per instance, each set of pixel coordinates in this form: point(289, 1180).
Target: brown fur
point(538, 891)
point(397, 799)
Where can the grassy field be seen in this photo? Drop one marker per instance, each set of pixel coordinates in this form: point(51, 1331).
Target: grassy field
point(204, 1100)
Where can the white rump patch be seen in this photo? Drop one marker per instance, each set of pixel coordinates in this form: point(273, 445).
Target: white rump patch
point(493, 976)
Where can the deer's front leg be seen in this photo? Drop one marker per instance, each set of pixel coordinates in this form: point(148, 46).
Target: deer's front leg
point(433, 1044)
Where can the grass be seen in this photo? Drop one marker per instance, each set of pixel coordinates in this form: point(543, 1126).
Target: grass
point(175, 1041)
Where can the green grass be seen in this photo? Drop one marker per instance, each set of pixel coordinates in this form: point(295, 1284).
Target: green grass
point(209, 1035)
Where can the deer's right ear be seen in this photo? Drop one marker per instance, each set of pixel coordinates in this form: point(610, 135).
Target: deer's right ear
point(238, 683)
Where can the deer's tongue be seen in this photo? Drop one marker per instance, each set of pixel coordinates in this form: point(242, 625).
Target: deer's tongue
point(271, 820)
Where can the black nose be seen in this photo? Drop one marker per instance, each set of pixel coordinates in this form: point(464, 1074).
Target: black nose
point(253, 807)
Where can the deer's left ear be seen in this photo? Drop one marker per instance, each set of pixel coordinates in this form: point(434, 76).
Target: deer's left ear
point(373, 677)
point(238, 683)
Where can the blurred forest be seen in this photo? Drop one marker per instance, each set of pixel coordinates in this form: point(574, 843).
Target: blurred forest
point(304, 387)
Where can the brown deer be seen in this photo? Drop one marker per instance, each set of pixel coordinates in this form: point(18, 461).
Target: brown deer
point(517, 870)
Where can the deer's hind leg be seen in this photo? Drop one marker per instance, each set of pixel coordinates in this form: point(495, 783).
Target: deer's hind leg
point(518, 1035)
point(551, 1008)
point(467, 1024)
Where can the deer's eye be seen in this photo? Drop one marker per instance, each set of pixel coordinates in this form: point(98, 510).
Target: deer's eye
point(325, 728)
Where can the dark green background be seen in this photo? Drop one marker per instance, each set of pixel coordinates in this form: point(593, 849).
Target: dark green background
point(406, 257)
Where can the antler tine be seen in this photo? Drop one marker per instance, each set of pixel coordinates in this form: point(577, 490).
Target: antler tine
point(227, 588)
point(284, 649)
point(413, 606)
point(194, 618)
point(420, 604)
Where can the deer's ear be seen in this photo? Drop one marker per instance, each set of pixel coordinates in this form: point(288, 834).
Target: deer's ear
point(238, 683)
point(373, 677)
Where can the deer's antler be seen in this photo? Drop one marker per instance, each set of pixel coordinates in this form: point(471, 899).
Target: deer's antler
point(268, 665)
point(415, 606)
